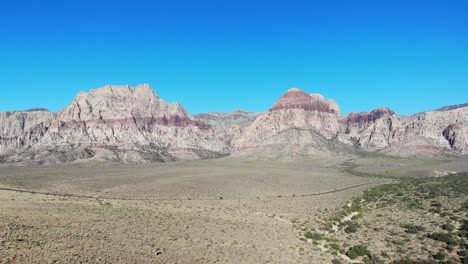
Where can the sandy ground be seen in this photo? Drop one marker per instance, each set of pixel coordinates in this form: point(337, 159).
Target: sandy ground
point(215, 211)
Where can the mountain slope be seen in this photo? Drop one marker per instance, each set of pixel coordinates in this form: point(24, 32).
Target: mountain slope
point(15, 124)
point(228, 126)
point(430, 133)
point(296, 124)
point(126, 124)
point(118, 123)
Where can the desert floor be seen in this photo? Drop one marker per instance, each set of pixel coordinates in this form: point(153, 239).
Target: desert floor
point(214, 211)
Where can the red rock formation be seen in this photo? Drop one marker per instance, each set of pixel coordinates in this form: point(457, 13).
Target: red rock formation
point(135, 123)
point(297, 99)
point(173, 120)
point(364, 118)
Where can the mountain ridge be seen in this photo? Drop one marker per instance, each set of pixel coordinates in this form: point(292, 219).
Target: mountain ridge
point(133, 124)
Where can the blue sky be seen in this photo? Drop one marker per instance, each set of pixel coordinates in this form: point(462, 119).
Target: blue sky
point(222, 55)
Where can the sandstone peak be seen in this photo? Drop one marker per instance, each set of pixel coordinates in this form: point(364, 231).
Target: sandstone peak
point(294, 89)
point(366, 117)
point(295, 98)
point(120, 122)
point(317, 96)
point(145, 89)
point(382, 111)
point(120, 102)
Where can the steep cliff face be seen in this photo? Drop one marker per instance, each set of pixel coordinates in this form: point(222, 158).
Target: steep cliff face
point(124, 103)
point(128, 124)
point(370, 131)
point(119, 123)
point(364, 119)
point(442, 130)
point(283, 130)
point(13, 125)
point(455, 136)
point(429, 133)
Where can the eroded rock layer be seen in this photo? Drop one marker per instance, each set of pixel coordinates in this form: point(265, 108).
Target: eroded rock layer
point(110, 123)
point(126, 124)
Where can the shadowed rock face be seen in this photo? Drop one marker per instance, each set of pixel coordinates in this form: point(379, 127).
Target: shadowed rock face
point(298, 99)
point(455, 136)
point(450, 133)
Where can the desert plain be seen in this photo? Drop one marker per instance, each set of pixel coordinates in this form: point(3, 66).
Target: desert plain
point(228, 210)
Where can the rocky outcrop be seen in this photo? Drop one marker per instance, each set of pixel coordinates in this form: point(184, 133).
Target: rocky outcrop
point(431, 133)
point(14, 125)
point(127, 124)
point(295, 98)
point(454, 135)
point(281, 130)
point(452, 107)
point(117, 123)
point(295, 113)
point(228, 126)
point(370, 131)
point(123, 103)
point(363, 119)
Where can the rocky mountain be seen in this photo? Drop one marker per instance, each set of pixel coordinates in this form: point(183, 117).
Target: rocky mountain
point(301, 124)
point(430, 133)
point(228, 126)
point(13, 125)
point(452, 107)
point(298, 124)
point(112, 123)
point(126, 124)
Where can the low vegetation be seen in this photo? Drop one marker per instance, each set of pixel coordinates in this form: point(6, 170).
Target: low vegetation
point(420, 220)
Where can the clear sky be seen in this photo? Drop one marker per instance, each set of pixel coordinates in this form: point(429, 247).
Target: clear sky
point(222, 55)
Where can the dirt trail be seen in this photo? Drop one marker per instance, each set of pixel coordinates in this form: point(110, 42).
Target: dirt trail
point(185, 199)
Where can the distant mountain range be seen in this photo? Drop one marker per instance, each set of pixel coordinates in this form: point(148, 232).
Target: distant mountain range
point(125, 124)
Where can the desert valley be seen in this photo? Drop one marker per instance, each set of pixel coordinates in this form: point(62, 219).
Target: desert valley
point(122, 176)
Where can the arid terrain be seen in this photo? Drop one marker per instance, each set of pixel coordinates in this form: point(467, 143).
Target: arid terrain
point(234, 132)
point(229, 210)
point(122, 176)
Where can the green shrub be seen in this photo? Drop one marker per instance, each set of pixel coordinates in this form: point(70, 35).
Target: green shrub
point(449, 227)
point(351, 227)
point(465, 205)
point(358, 251)
point(335, 247)
point(411, 261)
point(464, 226)
point(440, 256)
point(412, 229)
point(313, 236)
point(447, 238)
